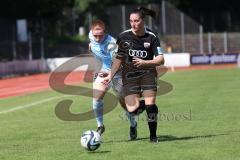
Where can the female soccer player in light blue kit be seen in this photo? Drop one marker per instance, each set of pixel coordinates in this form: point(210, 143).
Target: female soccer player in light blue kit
point(99, 46)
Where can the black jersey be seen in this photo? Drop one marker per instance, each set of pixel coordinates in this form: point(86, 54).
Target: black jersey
point(144, 47)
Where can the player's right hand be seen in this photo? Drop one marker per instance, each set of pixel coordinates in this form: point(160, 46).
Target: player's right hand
point(103, 74)
point(107, 79)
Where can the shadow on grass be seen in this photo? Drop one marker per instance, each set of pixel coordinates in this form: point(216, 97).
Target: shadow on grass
point(98, 152)
point(174, 138)
point(163, 138)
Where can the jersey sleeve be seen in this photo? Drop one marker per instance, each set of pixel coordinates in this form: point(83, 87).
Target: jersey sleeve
point(120, 50)
point(90, 36)
point(112, 46)
point(157, 50)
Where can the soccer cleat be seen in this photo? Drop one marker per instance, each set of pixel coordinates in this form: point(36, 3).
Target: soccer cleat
point(133, 132)
point(101, 129)
point(153, 139)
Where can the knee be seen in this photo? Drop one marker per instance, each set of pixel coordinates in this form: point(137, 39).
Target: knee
point(150, 100)
point(131, 109)
point(132, 106)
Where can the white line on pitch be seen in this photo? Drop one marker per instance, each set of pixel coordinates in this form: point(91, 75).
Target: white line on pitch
point(36, 103)
point(29, 105)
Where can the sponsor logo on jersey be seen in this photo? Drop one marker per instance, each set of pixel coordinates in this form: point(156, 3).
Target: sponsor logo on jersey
point(146, 45)
point(125, 45)
point(137, 53)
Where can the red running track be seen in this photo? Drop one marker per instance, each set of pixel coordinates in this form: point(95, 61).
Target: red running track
point(34, 83)
point(29, 84)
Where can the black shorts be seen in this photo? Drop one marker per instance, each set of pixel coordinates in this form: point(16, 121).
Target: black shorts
point(134, 82)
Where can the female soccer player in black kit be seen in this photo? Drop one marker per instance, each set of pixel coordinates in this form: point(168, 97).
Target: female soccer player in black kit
point(139, 53)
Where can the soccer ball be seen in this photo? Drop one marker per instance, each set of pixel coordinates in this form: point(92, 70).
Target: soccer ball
point(90, 140)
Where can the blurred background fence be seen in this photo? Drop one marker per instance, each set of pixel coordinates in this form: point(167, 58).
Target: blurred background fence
point(178, 33)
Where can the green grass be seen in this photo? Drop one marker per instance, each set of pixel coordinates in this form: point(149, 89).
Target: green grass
point(199, 120)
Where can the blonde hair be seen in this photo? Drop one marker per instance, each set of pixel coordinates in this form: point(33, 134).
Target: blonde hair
point(99, 23)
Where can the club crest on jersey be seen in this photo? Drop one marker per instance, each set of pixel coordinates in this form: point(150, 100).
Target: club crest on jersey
point(146, 45)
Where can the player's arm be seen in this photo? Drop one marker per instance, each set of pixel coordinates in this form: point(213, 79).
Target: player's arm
point(115, 67)
point(118, 58)
point(89, 47)
point(117, 61)
point(156, 61)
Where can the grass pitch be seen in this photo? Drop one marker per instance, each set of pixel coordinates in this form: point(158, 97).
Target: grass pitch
point(199, 119)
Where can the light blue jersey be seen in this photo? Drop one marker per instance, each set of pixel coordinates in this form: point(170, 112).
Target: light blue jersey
point(103, 50)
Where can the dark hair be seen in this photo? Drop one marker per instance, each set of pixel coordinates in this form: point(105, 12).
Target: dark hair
point(142, 11)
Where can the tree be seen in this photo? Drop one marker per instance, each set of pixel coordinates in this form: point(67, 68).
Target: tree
point(33, 8)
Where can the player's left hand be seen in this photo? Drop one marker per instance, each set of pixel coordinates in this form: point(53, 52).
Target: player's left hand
point(138, 62)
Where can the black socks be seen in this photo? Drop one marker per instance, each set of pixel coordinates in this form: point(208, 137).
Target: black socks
point(152, 114)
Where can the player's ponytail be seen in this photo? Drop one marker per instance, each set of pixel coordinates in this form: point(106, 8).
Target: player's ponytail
point(147, 11)
point(142, 11)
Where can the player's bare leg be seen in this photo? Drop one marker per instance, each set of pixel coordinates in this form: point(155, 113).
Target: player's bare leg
point(99, 91)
